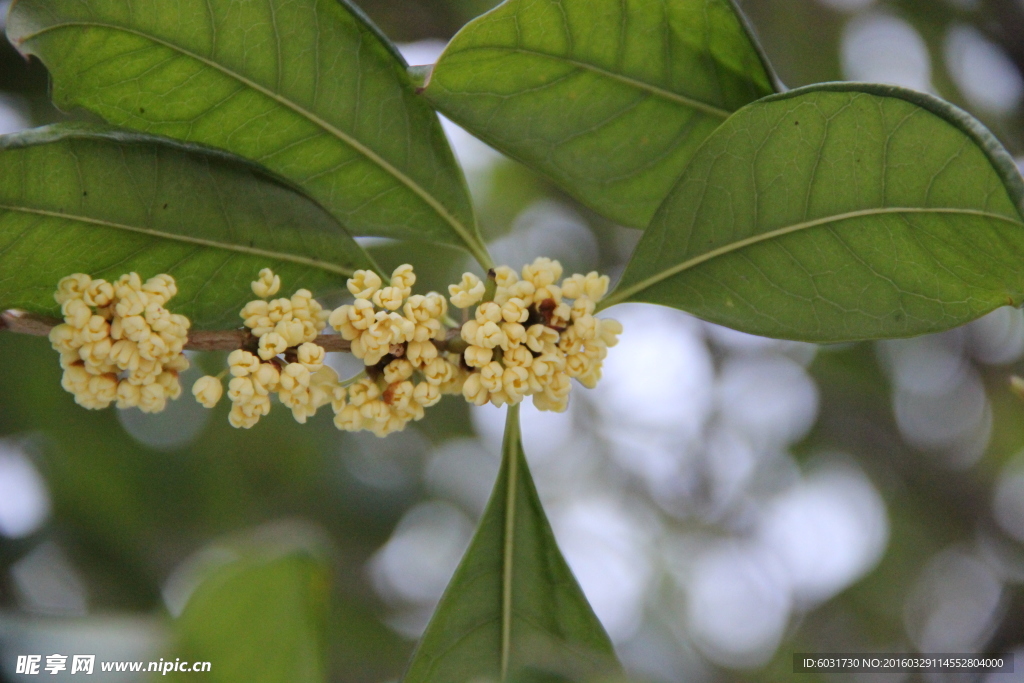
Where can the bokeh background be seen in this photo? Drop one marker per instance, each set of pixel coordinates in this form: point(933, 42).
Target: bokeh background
point(724, 500)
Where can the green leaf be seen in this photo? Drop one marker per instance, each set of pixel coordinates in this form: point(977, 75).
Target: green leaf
point(609, 98)
point(77, 198)
point(513, 602)
point(261, 617)
point(838, 212)
point(309, 88)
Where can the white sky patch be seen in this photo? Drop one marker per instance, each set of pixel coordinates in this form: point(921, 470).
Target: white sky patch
point(13, 109)
point(982, 71)
point(848, 5)
point(660, 374)
point(881, 48)
point(744, 343)
point(475, 156)
point(419, 559)
point(828, 531)
point(544, 433)
point(178, 425)
point(422, 52)
point(552, 229)
point(954, 604)
point(24, 501)
point(1008, 498)
point(770, 399)
point(998, 338)
point(47, 583)
point(463, 470)
point(738, 605)
point(607, 552)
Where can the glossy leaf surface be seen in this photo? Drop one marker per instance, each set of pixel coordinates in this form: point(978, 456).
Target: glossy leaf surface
point(309, 88)
point(609, 98)
point(838, 212)
point(513, 602)
point(105, 202)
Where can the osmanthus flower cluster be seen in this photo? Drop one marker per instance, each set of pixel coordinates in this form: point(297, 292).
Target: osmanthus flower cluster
point(287, 362)
point(529, 339)
point(522, 334)
point(400, 337)
point(118, 342)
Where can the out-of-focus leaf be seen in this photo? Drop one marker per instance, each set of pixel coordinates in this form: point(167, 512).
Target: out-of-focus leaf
point(79, 198)
point(513, 602)
point(609, 98)
point(838, 212)
point(309, 88)
point(259, 618)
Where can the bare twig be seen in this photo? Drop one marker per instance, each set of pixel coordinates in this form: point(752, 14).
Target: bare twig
point(22, 322)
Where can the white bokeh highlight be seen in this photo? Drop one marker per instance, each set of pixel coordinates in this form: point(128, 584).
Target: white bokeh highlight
point(607, 549)
point(47, 583)
point(1008, 498)
point(13, 109)
point(416, 563)
point(24, 500)
point(954, 604)
point(881, 48)
point(738, 605)
point(982, 71)
point(827, 531)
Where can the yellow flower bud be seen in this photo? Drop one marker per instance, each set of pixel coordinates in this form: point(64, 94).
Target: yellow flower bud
point(478, 356)
point(474, 391)
point(439, 371)
point(72, 287)
point(468, 292)
point(505, 276)
point(515, 383)
point(271, 345)
point(311, 355)
point(99, 293)
point(242, 363)
point(128, 395)
point(390, 298)
point(267, 285)
point(488, 312)
point(542, 272)
point(207, 390)
point(490, 376)
point(426, 394)
point(364, 283)
point(490, 335)
point(420, 353)
point(404, 278)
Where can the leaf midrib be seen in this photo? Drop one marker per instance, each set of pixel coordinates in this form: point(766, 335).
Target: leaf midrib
point(352, 142)
point(624, 295)
point(227, 246)
point(511, 446)
point(704, 107)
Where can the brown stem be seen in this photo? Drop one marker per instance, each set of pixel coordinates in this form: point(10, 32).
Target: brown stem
point(22, 322)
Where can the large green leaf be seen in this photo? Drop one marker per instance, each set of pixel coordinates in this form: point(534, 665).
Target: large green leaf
point(838, 212)
point(77, 198)
point(609, 98)
point(261, 617)
point(308, 88)
point(513, 602)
